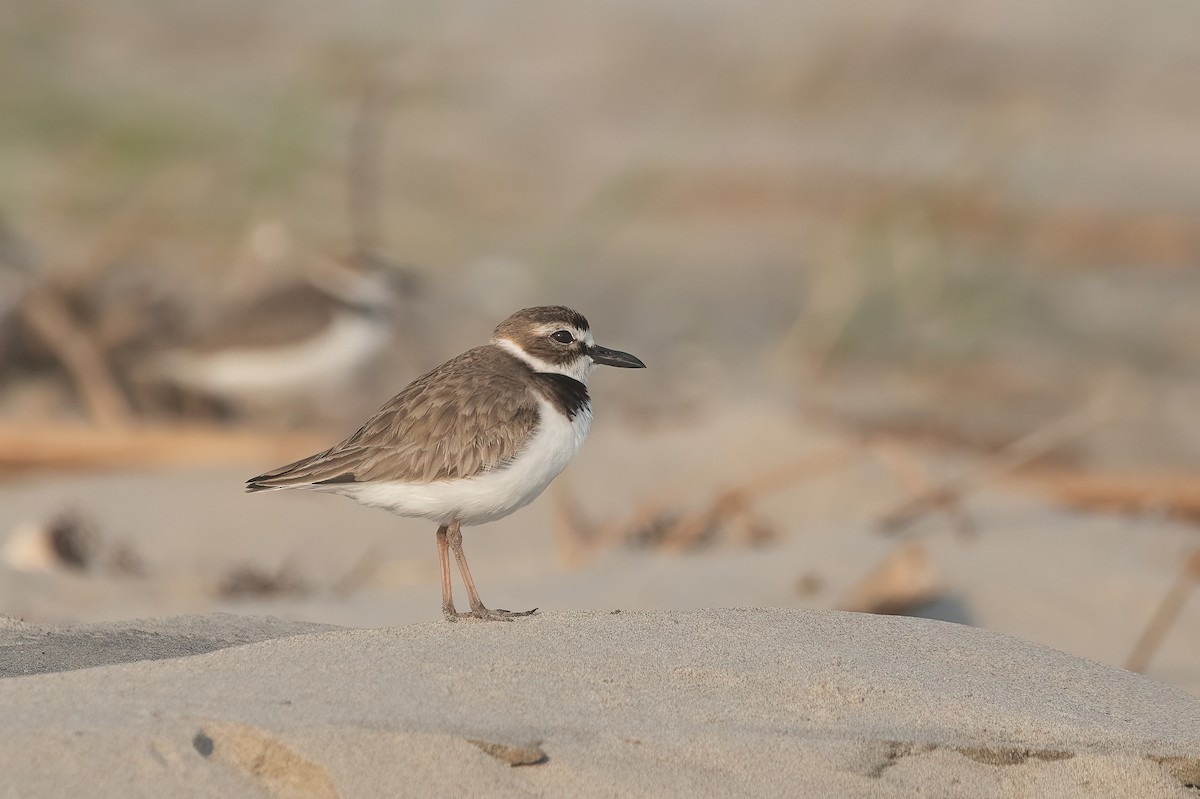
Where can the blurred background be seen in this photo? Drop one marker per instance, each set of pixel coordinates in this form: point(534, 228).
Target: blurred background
point(917, 283)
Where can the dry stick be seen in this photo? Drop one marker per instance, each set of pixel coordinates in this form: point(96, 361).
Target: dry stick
point(917, 481)
point(363, 198)
point(1166, 614)
point(1019, 453)
point(50, 318)
point(29, 448)
point(810, 466)
point(737, 500)
point(731, 502)
point(1178, 495)
point(905, 579)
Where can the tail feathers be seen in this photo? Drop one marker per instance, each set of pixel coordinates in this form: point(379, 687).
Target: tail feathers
point(315, 470)
point(291, 476)
point(265, 482)
point(253, 486)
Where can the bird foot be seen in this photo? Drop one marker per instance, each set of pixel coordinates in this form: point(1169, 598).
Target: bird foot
point(485, 614)
point(508, 614)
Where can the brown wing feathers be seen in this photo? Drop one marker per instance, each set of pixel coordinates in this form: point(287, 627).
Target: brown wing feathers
point(461, 419)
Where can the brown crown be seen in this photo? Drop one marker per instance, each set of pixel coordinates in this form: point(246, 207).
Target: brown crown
point(527, 319)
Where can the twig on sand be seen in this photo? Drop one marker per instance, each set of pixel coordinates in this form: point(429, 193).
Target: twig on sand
point(29, 448)
point(652, 525)
point(1012, 457)
point(917, 481)
point(735, 504)
point(903, 581)
point(1166, 614)
point(252, 581)
point(1175, 495)
point(49, 317)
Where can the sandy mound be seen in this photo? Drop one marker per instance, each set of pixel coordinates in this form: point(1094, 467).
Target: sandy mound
point(704, 703)
point(35, 649)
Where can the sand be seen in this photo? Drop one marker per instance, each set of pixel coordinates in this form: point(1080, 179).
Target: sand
point(692, 703)
point(626, 684)
point(1082, 583)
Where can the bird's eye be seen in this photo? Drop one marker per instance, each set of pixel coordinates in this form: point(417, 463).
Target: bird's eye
point(562, 336)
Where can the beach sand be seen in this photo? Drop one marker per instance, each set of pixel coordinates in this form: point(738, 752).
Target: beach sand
point(1083, 583)
point(744, 702)
point(342, 679)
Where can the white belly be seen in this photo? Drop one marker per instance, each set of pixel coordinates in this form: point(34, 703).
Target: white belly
point(491, 495)
point(330, 358)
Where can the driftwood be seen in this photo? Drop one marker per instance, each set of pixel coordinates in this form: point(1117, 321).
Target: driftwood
point(48, 316)
point(248, 581)
point(1018, 454)
point(735, 504)
point(1166, 614)
point(31, 448)
point(902, 582)
point(654, 524)
point(918, 482)
point(1173, 494)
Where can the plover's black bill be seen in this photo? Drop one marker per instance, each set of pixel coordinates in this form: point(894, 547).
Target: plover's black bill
point(607, 357)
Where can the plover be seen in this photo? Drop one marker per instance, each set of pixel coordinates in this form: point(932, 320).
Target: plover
point(477, 438)
point(314, 335)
